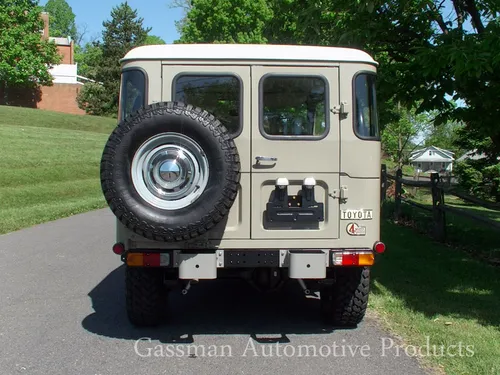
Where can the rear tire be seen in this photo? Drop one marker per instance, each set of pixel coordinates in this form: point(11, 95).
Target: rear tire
point(146, 296)
point(344, 303)
point(192, 194)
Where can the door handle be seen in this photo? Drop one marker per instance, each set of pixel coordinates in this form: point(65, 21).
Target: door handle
point(265, 158)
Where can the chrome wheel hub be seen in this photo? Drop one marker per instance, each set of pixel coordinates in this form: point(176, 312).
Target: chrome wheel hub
point(170, 171)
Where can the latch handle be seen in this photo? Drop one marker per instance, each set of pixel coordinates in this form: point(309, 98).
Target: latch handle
point(342, 109)
point(265, 158)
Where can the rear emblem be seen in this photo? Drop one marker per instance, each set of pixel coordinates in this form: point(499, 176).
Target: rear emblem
point(354, 229)
point(362, 214)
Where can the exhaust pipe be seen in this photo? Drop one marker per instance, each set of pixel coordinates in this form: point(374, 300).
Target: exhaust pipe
point(304, 287)
point(186, 288)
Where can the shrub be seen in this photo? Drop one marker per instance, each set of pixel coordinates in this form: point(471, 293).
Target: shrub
point(94, 100)
point(479, 179)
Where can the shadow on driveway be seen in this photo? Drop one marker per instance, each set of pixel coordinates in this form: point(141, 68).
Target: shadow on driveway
point(221, 307)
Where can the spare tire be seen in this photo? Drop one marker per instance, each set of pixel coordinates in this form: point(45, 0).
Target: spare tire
point(170, 172)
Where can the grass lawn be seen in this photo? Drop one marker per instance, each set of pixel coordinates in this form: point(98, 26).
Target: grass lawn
point(453, 201)
point(49, 163)
point(461, 231)
point(422, 290)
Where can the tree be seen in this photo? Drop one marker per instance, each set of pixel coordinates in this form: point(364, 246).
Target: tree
point(81, 32)
point(89, 59)
point(186, 6)
point(445, 136)
point(153, 39)
point(62, 19)
point(403, 135)
point(226, 21)
point(25, 58)
point(122, 33)
point(431, 52)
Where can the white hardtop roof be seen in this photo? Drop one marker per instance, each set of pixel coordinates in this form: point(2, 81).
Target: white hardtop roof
point(248, 52)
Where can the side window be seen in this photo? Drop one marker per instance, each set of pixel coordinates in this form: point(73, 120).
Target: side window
point(366, 120)
point(133, 92)
point(217, 94)
point(293, 106)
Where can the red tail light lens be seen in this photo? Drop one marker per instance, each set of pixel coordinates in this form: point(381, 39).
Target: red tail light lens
point(118, 248)
point(350, 259)
point(379, 247)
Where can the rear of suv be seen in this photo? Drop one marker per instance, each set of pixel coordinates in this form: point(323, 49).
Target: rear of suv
point(253, 161)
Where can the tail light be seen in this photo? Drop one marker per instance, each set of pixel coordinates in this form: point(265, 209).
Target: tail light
point(348, 258)
point(148, 259)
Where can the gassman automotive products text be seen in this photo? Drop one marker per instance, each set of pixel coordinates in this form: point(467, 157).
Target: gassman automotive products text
point(144, 347)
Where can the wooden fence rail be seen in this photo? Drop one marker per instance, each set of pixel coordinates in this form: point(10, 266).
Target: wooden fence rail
point(439, 208)
point(471, 199)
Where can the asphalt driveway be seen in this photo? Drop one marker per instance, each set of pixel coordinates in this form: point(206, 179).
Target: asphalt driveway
point(62, 312)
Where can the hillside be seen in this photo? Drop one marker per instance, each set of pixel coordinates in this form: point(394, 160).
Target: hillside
point(49, 165)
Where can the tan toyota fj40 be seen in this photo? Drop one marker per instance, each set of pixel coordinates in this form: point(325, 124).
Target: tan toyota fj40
point(253, 161)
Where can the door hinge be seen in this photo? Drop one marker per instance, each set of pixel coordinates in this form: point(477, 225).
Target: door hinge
point(343, 193)
point(342, 109)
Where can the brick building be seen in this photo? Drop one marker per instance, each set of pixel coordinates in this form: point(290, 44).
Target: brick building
point(60, 97)
point(65, 45)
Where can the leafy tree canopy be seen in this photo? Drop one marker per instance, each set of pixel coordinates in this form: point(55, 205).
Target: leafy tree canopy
point(226, 21)
point(431, 52)
point(405, 134)
point(153, 39)
point(88, 59)
point(62, 19)
point(446, 136)
point(24, 56)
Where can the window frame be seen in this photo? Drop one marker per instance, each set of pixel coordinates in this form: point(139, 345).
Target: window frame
point(216, 74)
point(355, 108)
point(294, 137)
point(146, 89)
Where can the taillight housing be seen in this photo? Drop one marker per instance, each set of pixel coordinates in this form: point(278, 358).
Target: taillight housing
point(353, 258)
point(148, 259)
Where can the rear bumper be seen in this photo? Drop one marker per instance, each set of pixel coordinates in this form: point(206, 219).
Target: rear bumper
point(301, 264)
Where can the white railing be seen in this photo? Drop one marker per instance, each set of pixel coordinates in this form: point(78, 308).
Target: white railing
point(68, 73)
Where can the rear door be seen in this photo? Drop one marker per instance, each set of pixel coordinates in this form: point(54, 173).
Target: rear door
point(225, 92)
point(295, 135)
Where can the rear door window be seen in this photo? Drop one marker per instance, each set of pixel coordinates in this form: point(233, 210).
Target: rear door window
point(217, 94)
point(293, 106)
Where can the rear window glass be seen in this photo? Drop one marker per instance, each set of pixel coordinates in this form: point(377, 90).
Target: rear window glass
point(217, 94)
point(294, 106)
point(366, 121)
point(133, 92)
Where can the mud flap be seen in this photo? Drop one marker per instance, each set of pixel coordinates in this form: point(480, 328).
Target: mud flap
point(197, 266)
point(307, 264)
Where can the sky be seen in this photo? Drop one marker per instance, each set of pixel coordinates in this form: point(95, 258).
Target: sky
point(157, 14)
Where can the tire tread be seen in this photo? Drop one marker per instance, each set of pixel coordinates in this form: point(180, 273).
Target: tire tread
point(344, 303)
point(146, 297)
point(207, 221)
